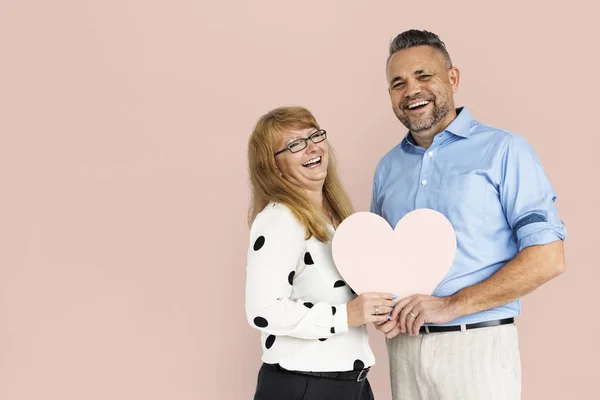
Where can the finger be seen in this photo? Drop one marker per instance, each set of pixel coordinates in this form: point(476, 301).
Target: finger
point(379, 326)
point(388, 303)
point(418, 324)
point(402, 303)
point(410, 320)
point(393, 333)
point(379, 318)
point(402, 319)
point(379, 307)
point(372, 307)
point(385, 309)
point(387, 326)
point(396, 312)
point(399, 306)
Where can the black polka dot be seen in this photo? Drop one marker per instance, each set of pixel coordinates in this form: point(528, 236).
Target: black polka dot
point(333, 310)
point(308, 304)
point(308, 259)
point(291, 277)
point(323, 339)
point(332, 329)
point(269, 342)
point(339, 284)
point(260, 242)
point(261, 322)
point(359, 365)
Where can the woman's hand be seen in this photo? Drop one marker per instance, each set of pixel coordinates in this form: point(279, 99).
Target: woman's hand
point(370, 307)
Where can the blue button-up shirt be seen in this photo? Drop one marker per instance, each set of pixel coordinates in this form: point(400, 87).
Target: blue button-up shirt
point(490, 185)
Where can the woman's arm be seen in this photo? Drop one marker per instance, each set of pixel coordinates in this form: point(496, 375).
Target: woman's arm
point(276, 245)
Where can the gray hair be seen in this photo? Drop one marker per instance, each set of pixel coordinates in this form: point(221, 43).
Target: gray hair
point(413, 38)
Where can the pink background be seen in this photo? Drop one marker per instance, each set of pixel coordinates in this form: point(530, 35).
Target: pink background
point(124, 127)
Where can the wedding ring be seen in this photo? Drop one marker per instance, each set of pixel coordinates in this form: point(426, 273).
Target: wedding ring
point(376, 310)
point(412, 314)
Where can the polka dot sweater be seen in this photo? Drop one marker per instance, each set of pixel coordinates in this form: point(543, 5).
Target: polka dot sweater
point(297, 299)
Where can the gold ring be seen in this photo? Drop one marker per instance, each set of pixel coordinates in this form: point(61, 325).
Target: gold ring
point(376, 310)
point(412, 314)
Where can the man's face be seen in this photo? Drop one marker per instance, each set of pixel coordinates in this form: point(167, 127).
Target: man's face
point(421, 89)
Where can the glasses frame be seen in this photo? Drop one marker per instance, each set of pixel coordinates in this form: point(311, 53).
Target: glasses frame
point(306, 139)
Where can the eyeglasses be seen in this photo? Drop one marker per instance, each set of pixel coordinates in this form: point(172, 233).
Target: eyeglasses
point(300, 144)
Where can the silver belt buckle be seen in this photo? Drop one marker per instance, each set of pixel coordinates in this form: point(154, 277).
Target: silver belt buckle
point(360, 375)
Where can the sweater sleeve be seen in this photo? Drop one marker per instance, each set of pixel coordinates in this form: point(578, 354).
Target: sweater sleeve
point(277, 242)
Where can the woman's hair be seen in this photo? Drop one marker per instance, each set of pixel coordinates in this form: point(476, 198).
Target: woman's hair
point(269, 186)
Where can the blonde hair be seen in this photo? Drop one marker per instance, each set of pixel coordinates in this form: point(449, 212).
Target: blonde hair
point(267, 185)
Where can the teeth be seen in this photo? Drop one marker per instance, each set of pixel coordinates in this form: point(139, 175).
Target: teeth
point(313, 161)
point(420, 103)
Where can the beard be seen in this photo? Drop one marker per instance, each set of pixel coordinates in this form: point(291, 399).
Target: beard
point(425, 122)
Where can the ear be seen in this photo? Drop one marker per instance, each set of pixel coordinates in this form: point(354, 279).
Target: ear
point(277, 167)
point(387, 78)
point(454, 78)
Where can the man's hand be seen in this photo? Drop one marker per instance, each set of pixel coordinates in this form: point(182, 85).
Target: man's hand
point(412, 312)
point(529, 269)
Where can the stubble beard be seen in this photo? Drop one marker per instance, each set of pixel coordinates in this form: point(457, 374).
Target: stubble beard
point(437, 115)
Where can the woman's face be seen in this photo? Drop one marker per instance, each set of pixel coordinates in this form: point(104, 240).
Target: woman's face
point(306, 168)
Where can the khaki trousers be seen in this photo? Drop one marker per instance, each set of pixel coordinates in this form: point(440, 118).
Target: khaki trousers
point(475, 364)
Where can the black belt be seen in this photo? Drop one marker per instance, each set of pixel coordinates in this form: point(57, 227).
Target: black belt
point(357, 376)
point(452, 328)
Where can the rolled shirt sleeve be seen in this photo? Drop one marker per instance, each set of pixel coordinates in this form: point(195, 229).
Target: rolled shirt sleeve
point(528, 198)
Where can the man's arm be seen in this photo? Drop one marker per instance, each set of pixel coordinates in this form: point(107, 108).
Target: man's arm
point(528, 270)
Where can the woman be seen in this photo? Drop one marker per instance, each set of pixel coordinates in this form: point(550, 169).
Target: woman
point(314, 338)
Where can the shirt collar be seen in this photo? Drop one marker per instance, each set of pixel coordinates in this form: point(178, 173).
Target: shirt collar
point(459, 127)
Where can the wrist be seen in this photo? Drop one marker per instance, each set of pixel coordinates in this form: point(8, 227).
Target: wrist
point(455, 305)
point(348, 315)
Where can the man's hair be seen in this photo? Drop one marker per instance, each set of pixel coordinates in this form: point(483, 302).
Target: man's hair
point(413, 38)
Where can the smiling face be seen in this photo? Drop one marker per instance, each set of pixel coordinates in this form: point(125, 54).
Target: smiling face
point(306, 168)
point(421, 88)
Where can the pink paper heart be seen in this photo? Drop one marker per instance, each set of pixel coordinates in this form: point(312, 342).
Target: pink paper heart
point(411, 259)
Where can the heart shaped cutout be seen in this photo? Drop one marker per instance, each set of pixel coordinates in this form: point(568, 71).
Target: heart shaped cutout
point(413, 258)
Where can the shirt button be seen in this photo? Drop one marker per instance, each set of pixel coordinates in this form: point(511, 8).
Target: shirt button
point(430, 154)
point(424, 182)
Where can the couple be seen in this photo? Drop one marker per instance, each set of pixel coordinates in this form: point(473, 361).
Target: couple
point(459, 343)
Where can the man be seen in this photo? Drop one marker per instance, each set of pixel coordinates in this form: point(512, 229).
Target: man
point(461, 342)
